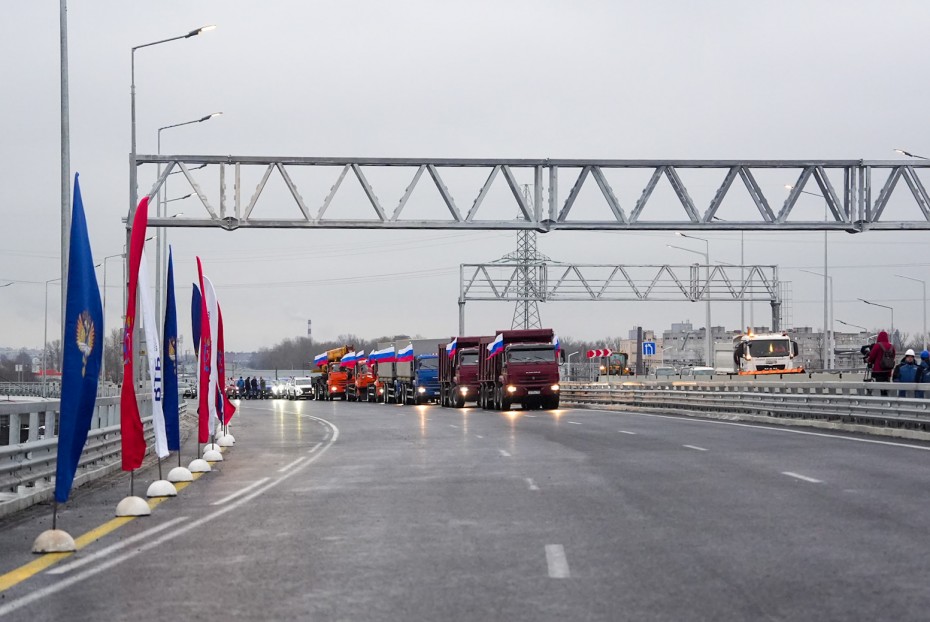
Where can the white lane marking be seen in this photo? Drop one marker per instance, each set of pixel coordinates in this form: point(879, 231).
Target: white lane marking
point(769, 428)
point(575, 422)
point(529, 415)
point(532, 485)
point(452, 425)
point(504, 453)
point(557, 562)
point(47, 591)
point(292, 464)
point(315, 447)
point(115, 547)
point(241, 492)
point(478, 436)
point(803, 478)
point(627, 432)
point(695, 447)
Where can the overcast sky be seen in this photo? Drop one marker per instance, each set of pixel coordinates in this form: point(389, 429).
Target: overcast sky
point(828, 79)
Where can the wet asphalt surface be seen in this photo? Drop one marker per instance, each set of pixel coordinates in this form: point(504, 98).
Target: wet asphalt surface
point(339, 511)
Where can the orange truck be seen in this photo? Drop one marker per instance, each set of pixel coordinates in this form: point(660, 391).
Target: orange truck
point(363, 383)
point(334, 380)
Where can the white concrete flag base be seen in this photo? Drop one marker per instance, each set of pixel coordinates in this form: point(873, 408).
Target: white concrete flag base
point(226, 441)
point(212, 455)
point(161, 488)
point(231, 438)
point(199, 466)
point(211, 447)
point(180, 474)
point(54, 541)
point(133, 506)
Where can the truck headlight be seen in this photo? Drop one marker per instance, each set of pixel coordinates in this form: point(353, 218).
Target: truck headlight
point(333, 388)
point(463, 390)
point(511, 388)
point(421, 389)
point(554, 387)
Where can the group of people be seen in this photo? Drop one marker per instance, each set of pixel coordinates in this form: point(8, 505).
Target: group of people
point(885, 366)
point(252, 387)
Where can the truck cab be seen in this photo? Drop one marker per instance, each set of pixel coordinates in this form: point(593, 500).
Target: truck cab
point(363, 383)
point(525, 370)
point(426, 378)
point(768, 353)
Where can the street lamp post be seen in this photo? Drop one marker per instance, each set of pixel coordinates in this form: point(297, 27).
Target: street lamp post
point(161, 208)
point(829, 339)
point(875, 304)
point(924, 285)
point(826, 266)
point(862, 328)
point(709, 337)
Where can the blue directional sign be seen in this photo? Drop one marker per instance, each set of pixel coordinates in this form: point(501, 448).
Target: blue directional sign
point(649, 348)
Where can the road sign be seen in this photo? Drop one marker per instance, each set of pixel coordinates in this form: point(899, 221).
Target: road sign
point(649, 348)
point(19, 367)
point(593, 354)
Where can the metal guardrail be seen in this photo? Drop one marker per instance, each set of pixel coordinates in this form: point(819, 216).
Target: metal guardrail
point(49, 390)
point(843, 402)
point(32, 464)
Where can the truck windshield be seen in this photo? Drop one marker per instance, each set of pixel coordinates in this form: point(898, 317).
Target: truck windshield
point(468, 359)
point(770, 347)
point(429, 363)
point(531, 356)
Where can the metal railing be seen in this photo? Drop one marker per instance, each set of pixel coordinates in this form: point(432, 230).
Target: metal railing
point(841, 402)
point(49, 390)
point(29, 466)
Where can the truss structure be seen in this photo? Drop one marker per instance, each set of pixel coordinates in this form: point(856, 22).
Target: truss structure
point(501, 282)
point(845, 185)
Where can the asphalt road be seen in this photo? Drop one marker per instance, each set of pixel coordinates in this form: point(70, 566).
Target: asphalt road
point(335, 511)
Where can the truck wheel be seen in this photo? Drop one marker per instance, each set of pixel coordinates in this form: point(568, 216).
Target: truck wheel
point(459, 400)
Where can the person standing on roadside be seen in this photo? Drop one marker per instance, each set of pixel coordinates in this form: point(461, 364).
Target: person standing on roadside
point(906, 371)
point(924, 365)
point(882, 358)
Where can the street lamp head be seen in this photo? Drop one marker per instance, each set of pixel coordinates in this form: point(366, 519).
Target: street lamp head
point(196, 32)
point(789, 187)
point(210, 116)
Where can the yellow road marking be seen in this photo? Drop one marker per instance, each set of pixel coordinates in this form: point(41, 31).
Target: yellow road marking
point(17, 576)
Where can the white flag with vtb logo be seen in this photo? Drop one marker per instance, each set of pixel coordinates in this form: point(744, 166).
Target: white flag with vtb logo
point(153, 349)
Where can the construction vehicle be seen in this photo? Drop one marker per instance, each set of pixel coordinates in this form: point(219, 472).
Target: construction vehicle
point(767, 353)
point(333, 380)
point(363, 383)
point(520, 366)
point(458, 370)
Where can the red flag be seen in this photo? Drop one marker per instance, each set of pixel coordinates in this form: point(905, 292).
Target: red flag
point(203, 410)
point(133, 438)
point(228, 409)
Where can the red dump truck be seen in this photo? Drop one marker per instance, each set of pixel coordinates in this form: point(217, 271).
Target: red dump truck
point(520, 366)
point(458, 370)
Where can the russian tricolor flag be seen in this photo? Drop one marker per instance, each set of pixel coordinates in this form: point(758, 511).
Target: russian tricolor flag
point(382, 356)
point(452, 347)
point(349, 359)
point(556, 343)
point(319, 360)
point(406, 354)
point(496, 346)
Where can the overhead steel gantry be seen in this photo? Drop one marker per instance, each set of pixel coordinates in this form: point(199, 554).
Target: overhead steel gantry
point(557, 281)
point(850, 203)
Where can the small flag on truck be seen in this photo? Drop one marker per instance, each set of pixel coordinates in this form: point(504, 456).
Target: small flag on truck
point(496, 346)
point(451, 347)
point(406, 354)
point(319, 360)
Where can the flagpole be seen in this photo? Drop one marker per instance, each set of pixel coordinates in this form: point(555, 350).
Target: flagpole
point(54, 513)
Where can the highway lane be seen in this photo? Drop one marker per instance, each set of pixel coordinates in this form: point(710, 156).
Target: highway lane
point(424, 513)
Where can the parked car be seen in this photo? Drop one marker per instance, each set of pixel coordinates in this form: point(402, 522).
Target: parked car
point(190, 392)
point(300, 388)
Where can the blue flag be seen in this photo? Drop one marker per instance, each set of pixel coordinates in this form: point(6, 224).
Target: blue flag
point(196, 312)
point(82, 351)
point(169, 399)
